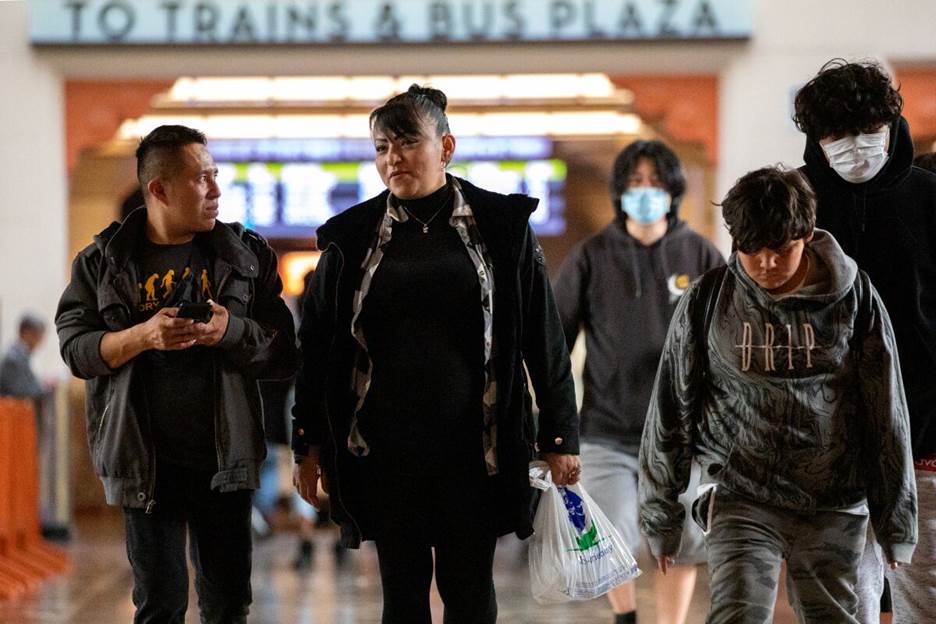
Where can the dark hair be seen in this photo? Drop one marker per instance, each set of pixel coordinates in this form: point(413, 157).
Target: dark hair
point(926, 161)
point(667, 166)
point(31, 322)
point(402, 114)
point(157, 153)
point(768, 208)
point(846, 98)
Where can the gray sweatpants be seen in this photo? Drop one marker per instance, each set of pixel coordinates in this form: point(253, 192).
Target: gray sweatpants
point(870, 585)
point(913, 587)
point(746, 543)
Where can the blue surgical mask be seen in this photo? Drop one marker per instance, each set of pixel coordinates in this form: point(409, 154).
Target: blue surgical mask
point(645, 204)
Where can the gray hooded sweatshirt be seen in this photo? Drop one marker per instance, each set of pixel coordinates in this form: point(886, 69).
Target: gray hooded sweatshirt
point(623, 294)
point(801, 409)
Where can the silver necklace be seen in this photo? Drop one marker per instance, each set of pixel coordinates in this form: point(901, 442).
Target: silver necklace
point(425, 224)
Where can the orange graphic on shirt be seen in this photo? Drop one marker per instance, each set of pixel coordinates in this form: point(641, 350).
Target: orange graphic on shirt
point(168, 284)
point(205, 285)
point(148, 290)
point(150, 287)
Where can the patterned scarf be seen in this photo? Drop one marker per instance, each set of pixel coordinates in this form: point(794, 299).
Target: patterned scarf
point(463, 221)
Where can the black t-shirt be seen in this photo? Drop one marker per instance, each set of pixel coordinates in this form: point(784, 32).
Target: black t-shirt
point(179, 384)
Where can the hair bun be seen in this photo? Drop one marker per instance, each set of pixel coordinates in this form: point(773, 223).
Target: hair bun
point(433, 95)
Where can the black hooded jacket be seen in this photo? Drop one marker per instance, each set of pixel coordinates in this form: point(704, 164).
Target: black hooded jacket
point(888, 225)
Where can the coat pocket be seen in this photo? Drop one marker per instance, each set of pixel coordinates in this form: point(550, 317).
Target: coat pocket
point(236, 297)
point(703, 507)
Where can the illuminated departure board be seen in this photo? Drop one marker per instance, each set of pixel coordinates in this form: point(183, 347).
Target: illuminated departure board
point(290, 199)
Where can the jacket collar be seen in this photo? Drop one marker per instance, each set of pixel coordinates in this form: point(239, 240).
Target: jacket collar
point(118, 241)
point(500, 218)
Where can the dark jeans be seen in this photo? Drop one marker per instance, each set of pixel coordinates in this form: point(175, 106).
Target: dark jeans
point(218, 527)
point(464, 575)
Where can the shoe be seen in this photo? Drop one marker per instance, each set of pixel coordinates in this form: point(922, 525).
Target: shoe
point(341, 554)
point(303, 560)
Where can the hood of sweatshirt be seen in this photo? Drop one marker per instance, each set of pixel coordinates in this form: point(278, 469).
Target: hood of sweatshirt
point(838, 270)
point(643, 258)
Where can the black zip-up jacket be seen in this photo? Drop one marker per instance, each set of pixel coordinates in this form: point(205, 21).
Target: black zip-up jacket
point(888, 225)
point(259, 343)
point(527, 330)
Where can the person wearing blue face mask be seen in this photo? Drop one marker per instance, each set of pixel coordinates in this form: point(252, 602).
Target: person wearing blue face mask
point(621, 286)
point(880, 208)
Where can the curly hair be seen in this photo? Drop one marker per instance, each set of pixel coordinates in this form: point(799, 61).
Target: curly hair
point(401, 115)
point(664, 160)
point(846, 98)
point(768, 208)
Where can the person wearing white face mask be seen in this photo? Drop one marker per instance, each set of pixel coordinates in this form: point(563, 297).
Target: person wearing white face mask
point(622, 286)
point(881, 208)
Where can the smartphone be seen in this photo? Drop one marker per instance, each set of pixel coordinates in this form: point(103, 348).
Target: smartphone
point(200, 312)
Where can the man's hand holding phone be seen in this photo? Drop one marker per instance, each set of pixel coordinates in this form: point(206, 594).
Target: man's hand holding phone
point(198, 312)
point(164, 331)
point(210, 332)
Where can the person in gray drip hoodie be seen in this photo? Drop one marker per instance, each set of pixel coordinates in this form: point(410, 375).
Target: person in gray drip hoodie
point(621, 286)
point(789, 394)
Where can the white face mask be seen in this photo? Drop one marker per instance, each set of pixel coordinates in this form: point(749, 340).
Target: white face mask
point(858, 158)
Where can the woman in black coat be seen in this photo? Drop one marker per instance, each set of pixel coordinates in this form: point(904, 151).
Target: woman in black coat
point(412, 403)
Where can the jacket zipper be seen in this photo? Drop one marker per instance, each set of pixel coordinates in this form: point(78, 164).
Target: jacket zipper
point(331, 429)
point(100, 427)
point(214, 371)
point(151, 491)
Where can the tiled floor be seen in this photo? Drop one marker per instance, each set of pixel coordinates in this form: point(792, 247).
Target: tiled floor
point(97, 589)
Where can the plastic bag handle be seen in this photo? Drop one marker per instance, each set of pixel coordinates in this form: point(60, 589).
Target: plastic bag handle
point(540, 475)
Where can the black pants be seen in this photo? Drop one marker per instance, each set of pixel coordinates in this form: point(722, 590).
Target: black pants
point(464, 574)
point(218, 527)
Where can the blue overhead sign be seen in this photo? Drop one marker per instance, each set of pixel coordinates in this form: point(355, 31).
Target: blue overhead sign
point(330, 22)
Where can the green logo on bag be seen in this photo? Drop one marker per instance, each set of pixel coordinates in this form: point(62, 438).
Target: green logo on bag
point(585, 539)
point(588, 539)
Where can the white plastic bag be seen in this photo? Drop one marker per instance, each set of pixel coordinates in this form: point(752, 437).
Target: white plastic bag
point(575, 552)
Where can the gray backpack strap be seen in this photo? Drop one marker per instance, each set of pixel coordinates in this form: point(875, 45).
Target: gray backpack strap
point(863, 315)
point(703, 311)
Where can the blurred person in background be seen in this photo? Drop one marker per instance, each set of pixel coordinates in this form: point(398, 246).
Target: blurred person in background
point(622, 286)
point(882, 210)
point(412, 403)
point(175, 422)
point(17, 378)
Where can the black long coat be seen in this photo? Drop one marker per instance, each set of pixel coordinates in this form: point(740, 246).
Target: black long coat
point(527, 329)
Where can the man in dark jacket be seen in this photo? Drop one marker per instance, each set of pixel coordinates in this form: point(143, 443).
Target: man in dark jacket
point(172, 317)
point(882, 210)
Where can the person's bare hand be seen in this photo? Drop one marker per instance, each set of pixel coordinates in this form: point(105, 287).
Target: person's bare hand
point(565, 468)
point(306, 477)
point(164, 332)
point(211, 333)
